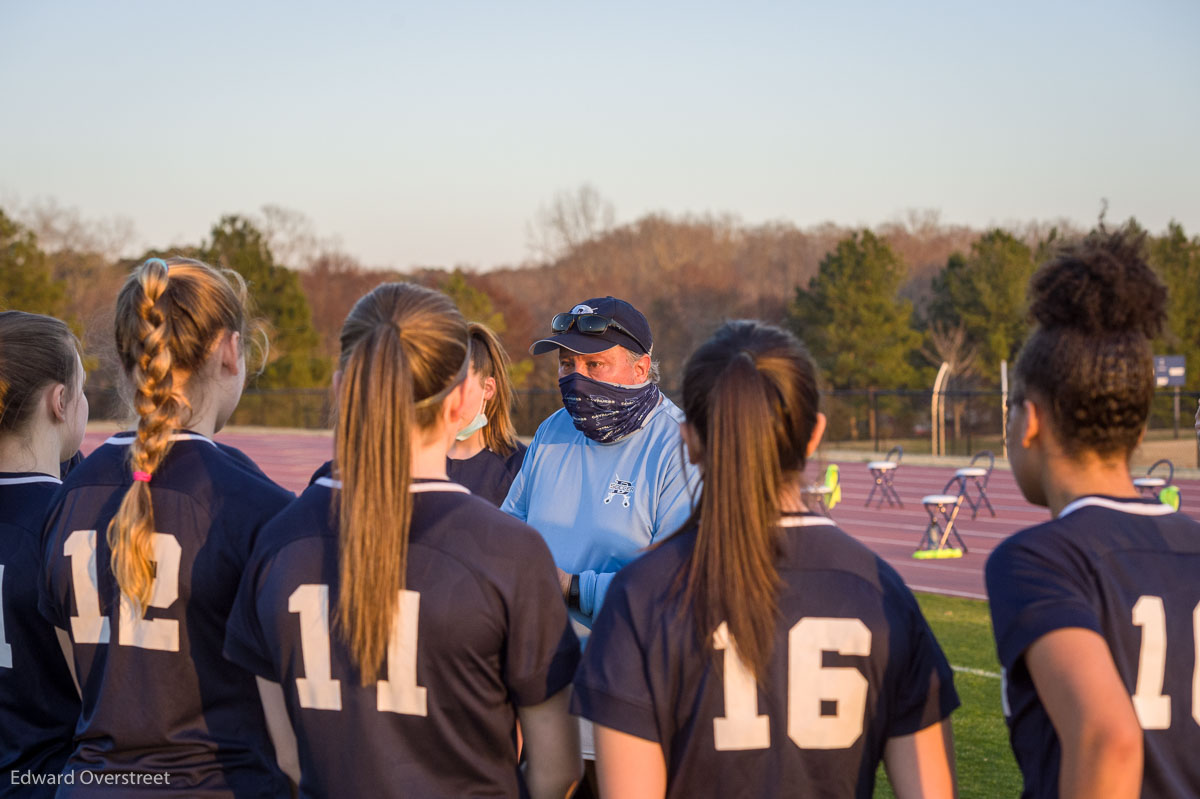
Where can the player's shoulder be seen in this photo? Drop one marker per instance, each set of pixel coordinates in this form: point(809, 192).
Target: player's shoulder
point(456, 508)
point(1091, 526)
point(106, 464)
point(514, 459)
point(25, 503)
point(812, 542)
point(468, 528)
point(25, 499)
point(219, 478)
point(307, 516)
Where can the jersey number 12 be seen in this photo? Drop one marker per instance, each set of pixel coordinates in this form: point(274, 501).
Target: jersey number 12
point(89, 627)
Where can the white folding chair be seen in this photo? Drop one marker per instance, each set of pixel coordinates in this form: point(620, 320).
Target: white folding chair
point(978, 476)
point(883, 471)
point(943, 511)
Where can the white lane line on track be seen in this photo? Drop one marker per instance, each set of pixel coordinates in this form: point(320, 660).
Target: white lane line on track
point(916, 529)
point(976, 672)
point(939, 565)
point(927, 589)
point(909, 545)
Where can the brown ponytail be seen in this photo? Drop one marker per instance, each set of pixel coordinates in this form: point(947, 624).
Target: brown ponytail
point(169, 316)
point(35, 351)
point(489, 359)
point(750, 394)
point(404, 348)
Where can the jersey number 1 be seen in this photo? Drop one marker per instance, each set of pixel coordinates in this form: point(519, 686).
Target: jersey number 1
point(1152, 707)
point(809, 686)
point(317, 689)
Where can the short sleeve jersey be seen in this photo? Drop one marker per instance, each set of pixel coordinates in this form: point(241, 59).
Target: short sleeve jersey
point(853, 664)
point(1129, 570)
point(600, 505)
point(487, 474)
point(481, 629)
point(38, 701)
point(158, 696)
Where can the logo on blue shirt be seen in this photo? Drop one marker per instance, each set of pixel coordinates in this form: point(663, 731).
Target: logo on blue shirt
point(619, 487)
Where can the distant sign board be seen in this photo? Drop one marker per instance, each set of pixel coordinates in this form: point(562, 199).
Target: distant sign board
point(1169, 370)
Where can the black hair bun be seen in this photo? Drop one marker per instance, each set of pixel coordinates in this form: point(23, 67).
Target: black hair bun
point(1100, 285)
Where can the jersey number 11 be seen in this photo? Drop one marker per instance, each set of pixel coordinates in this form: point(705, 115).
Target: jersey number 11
point(317, 689)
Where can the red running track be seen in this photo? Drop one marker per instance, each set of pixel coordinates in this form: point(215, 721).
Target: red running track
point(290, 457)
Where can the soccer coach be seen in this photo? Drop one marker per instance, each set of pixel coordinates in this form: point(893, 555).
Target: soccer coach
point(604, 477)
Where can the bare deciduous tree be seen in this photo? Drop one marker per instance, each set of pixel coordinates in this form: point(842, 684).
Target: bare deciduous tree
point(60, 229)
point(572, 219)
point(292, 237)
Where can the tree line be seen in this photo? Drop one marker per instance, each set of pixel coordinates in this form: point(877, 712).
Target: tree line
point(880, 309)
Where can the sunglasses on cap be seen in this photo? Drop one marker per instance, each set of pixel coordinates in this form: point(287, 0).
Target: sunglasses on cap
point(593, 324)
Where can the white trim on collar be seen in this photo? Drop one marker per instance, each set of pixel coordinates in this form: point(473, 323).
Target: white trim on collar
point(413, 488)
point(1135, 508)
point(127, 438)
point(806, 521)
point(33, 478)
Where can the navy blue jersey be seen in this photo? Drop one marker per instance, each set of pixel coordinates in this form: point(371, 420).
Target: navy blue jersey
point(854, 664)
point(482, 628)
point(158, 696)
point(39, 704)
point(1130, 571)
point(70, 463)
point(486, 473)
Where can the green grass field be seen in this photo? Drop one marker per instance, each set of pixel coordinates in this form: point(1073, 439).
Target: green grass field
point(985, 764)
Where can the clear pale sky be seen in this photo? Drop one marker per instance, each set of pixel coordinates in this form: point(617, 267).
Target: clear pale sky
point(431, 133)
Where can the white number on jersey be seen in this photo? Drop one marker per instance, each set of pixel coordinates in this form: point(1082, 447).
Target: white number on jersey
point(1152, 706)
point(5, 646)
point(317, 690)
point(89, 627)
point(809, 685)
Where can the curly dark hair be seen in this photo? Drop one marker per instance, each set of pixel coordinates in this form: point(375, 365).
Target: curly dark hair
point(1096, 304)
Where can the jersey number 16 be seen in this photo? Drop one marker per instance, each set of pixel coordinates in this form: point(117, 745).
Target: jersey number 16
point(809, 685)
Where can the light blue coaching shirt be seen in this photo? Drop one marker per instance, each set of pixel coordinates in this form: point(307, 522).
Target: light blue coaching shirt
point(599, 505)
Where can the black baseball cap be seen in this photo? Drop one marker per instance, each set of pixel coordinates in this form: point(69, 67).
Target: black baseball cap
point(629, 329)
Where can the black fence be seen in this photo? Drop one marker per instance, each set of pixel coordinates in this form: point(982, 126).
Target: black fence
point(973, 420)
point(868, 420)
point(878, 420)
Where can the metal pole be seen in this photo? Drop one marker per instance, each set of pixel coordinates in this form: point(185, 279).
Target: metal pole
point(933, 409)
point(1004, 407)
point(1176, 411)
point(875, 415)
point(968, 422)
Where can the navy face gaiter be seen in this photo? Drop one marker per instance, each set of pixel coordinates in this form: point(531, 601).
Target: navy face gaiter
point(605, 412)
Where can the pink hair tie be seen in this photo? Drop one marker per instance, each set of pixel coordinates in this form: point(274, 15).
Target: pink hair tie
point(141, 477)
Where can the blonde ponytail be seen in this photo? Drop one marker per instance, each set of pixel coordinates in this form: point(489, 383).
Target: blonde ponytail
point(404, 348)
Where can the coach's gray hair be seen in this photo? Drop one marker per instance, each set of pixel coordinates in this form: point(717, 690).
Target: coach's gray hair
point(634, 357)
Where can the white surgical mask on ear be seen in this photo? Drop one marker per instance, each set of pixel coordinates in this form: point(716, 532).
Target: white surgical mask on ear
point(478, 423)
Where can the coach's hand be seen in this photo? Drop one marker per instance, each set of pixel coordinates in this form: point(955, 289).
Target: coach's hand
point(564, 582)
